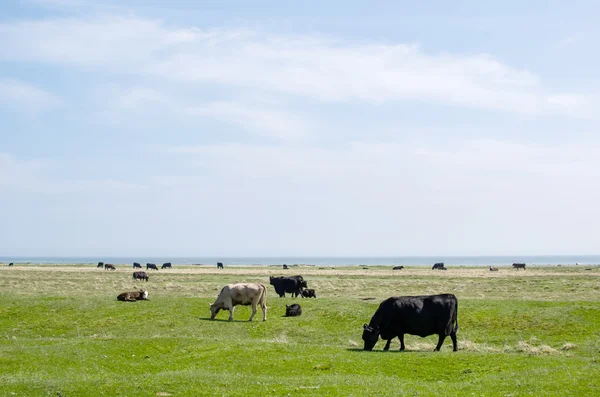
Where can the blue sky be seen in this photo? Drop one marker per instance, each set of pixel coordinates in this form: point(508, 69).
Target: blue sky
point(280, 128)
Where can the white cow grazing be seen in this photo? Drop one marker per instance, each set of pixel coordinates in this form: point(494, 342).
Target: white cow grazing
point(240, 294)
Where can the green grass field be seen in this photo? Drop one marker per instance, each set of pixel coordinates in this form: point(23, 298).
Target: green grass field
point(63, 333)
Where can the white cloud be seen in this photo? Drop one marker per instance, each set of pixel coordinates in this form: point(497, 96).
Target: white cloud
point(23, 95)
point(311, 67)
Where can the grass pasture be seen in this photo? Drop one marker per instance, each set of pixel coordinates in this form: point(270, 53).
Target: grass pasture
point(63, 333)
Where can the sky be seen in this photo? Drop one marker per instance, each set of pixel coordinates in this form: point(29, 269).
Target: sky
point(266, 128)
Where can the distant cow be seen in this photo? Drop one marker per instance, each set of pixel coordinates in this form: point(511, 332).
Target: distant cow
point(493, 269)
point(518, 266)
point(100, 264)
point(285, 267)
point(292, 285)
point(293, 310)
point(11, 264)
point(414, 315)
point(219, 265)
point(151, 266)
point(108, 266)
point(133, 296)
point(166, 265)
point(136, 265)
point(240, 294)
point(308, 293)
point(438, 266)
point(140, 276)
point(398, 267)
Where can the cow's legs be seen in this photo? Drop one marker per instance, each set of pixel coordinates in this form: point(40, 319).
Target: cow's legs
point(231, 307)
point(454, 345)
point(440, 342)
point(402, 347)
point(253, 312)
point(387, 345)
point(264, 310)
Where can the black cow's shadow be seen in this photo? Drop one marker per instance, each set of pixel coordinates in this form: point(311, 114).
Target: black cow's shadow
point(358, 349)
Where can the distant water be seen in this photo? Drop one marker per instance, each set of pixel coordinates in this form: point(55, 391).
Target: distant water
point(321, 260)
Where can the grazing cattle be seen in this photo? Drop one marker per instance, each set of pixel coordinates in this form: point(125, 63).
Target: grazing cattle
point(308, 293)
point(133, 296)
point(108, 266)
point(151, 266)
point(140, 276)
point(136, 265)
point(518, 266)
point(293, 310)
point(10, 264)
point(240, 294)
point(219, 265)
point(100, 264)
point(493, 269)
point(414, 315)
point(166, 265)
point(438, 266)
point(292, 285)
point(285, 267)
point(398, 267)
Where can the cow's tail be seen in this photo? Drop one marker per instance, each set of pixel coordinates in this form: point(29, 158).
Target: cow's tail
point(453, 324)
point(262, 300)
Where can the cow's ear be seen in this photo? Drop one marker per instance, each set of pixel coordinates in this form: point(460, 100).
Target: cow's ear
point(365, 326)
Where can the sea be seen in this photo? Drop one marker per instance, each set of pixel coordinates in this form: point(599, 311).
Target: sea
point(315, 260)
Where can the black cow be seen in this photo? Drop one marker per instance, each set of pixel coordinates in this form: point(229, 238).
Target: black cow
point(136, 265)
point(518, 266)
point(151, 266)
point(398, 267)
point(11, 264)
point(140, 276)
point(292, 285)
point(285, 267)
point(166, 265)
point(219, 265)
point(100, 264)
point(439, 266)
point(293, 310)
point(108, 266)
point(308, 293)
point(414, 315)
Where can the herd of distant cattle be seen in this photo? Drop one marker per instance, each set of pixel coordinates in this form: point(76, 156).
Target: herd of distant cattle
point(395, 316)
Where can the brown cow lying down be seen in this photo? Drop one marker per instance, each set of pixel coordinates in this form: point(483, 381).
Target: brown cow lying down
point(240, 294)
point(133, 296)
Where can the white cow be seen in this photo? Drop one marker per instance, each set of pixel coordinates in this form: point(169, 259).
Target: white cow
point(240, 294)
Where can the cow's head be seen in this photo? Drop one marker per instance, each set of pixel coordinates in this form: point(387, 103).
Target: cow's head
point(214, 310)
point(143, 294)
point(370, 336)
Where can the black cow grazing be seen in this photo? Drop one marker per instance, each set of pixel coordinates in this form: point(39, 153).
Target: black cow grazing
point(308, 293)
point(100, 264)
point(285, 267)
point(220, 265)
point(518, 266)
point(140, 276)
point(439, 266)
point(493, 269)
point(136, 265)
point(133, 296)
point(108, 266)
point(414, 315)
point(292, 285)
point(166, 265)
point(398, 267)
point(151, 266)
point(11, 264)
point(293, 310)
